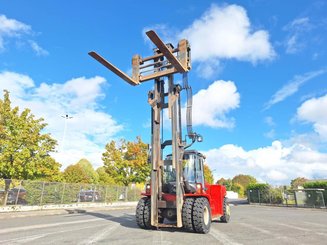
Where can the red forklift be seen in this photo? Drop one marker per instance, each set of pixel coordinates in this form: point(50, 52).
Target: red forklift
point(177, 195)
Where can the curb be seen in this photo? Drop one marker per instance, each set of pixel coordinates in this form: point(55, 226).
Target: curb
point(27, 211)
point(287, 207)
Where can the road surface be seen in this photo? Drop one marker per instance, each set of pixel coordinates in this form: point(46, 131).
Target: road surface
point(249, 225)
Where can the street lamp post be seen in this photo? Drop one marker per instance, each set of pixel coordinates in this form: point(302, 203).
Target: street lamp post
point(66, 117)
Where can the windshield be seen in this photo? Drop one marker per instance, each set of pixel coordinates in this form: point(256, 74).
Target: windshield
point(169, 173)
point(188, 168)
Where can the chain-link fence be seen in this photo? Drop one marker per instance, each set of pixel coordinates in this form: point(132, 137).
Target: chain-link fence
point(310, 198)
point(27, 192)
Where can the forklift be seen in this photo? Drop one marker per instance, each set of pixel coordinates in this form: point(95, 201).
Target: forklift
point(177, 195)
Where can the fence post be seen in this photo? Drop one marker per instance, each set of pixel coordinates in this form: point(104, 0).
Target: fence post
point(323, 199)
point(7, 187)
point(63, 193)
point(126, 191)
point(259, 196)
point(93, 193)
point(105, 198)
point(18, 192)
point(41, 199)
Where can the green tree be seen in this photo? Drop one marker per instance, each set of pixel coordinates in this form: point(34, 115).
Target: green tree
point(104, 177)
point(24, 148)
point(127, 162)
point(299, 181)
point(208, 176)
point(225, 182)
point(89, 170)
point(236, 187)
point(76, 174)
point(244, 180)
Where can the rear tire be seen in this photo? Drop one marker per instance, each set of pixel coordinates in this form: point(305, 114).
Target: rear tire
point(143, 213)
point(226, 216)
point(201, 215)
point(187, 213)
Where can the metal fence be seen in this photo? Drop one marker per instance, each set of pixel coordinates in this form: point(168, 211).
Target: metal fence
point(27, 192)
point(307, 198)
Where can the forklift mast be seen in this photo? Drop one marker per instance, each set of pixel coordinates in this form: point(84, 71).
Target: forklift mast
point(161, 67)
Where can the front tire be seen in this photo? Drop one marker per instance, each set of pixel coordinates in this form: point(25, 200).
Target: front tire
point(143, 213)
point(226, 216)
point(201, 215)
point(187, 213)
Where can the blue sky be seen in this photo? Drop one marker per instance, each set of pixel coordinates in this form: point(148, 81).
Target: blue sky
point(258, 76)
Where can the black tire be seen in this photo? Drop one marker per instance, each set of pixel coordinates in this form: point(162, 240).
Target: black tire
point(201, 215)
point(143, 213)
point(226, 216)
point(187, 214)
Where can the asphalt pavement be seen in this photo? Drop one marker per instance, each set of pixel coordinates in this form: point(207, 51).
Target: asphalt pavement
point(249, 225)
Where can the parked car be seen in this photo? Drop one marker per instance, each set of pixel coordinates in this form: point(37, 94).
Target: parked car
point(89, 196)
point(14, 194)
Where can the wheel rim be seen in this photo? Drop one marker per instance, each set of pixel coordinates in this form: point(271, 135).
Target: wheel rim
point(227, 210)
point(206, 215)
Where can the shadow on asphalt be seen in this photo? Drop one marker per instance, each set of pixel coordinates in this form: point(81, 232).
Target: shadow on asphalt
point(238, 201)
point(128, 220)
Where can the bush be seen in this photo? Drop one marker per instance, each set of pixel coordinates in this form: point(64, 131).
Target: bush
point(257, 186)
point(263, 193)
point(239, 189)
point(316, 184)
point(276, 196)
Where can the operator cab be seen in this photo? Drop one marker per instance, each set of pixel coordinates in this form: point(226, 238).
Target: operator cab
point(193, 175)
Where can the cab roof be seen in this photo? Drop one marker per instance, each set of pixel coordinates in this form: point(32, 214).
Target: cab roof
point(192, 152)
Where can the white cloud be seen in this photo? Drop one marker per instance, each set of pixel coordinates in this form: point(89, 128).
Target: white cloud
point(225, 32)
point(17, 84)
point(269, 121)
point(211, 105)
point(315, 111)
point(292, 87)
point(209, 68)
point(167, 34)
point(271, 134)
point(276, 175)
point(74, 93)
point(89, 129)
point(275, 164)
point(297, 38)
point(11, 28)
point(222, 32)
point(38, 50)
